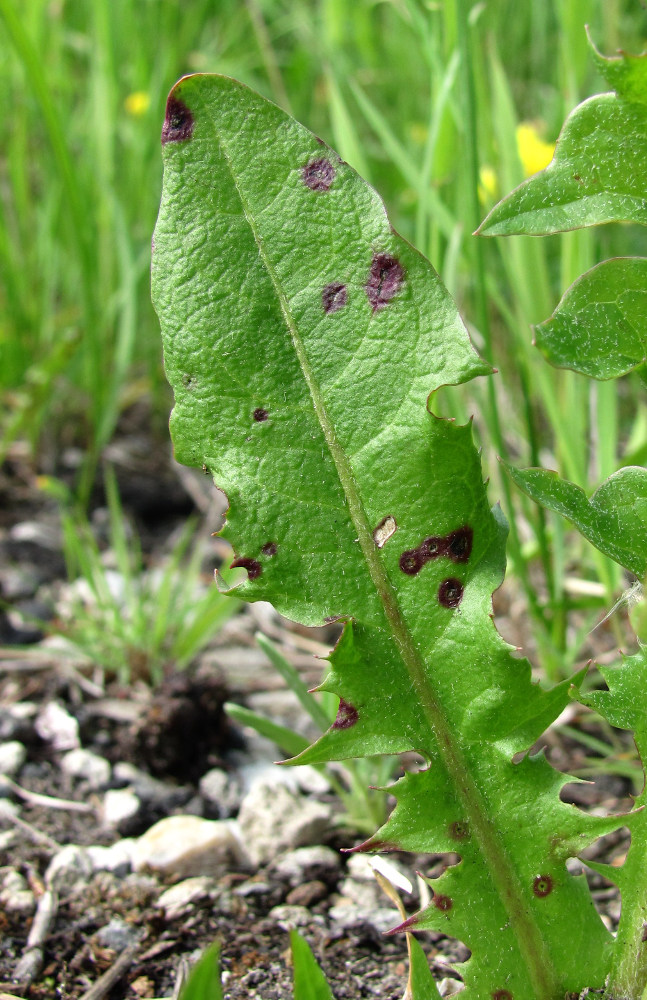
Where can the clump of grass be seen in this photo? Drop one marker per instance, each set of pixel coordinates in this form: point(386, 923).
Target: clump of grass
point(131, 620)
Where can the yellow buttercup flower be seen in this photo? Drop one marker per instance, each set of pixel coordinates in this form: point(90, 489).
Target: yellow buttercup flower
point(534, 152)
point(488, 184)
point(137, 103)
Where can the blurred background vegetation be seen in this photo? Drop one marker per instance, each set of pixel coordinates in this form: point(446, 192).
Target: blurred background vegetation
point(443, 106)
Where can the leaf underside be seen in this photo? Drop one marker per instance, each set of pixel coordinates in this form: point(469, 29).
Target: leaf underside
point(302, 339)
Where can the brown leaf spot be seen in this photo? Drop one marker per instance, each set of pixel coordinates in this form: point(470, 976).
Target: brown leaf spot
point(334, 297)
point(542, 886)
point(433, 547)
point(502, 995)
point(459, 830)
point(384, 280)
point(260, 414)
point(443, 903)
point(411, 562)
point(347, 716)
point(178, 123)
point(450, 593)
point(318, 175)
point(269, 549)
point(385, 530)
point(459, 544)
point(252, 566)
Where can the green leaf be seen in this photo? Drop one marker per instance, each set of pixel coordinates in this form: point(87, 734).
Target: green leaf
point(600, 326)
point(598, 174)
point(204, 981)
point(421, 985)
point(614, 519)
point(626, 74)
point(625, 707)
point(303, 338)
point(286, 739)
point(309, 981)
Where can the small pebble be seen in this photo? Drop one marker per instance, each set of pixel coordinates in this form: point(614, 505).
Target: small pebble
point(273, 818)
point(306, 863)
point(118, 858)
point(88, 766)
point(179, 898)
point(56, 726)
point(12, 757)
point(15, 895)
point(288, 917)
point(116, 935)
point(69, 869)
point(307, 894)
point(221, 793)
point(188, 845)
point(119, 805)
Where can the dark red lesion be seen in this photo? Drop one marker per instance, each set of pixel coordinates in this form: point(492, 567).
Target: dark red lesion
point(443, 903)
point(384, 281)
point(457, 546)
point(502, 995)
point(459, 830)
point(334, 297)
point(179, 122)
point(269, 549)
point(318, 175)
point(450, 592)
point(542, 886)
point(253, 567)
point(260, 415)
point(347, 715)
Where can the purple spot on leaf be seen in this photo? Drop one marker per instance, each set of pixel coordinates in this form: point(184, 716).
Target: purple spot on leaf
point(542, 886)
point(411, 562)
point(252, 566)
point(450, 593)
point(502, 995)
point(443, 903)
point(269, 549)
point(334, 297)
point(433, 547)
point(459, 544)
point(318, 175)
point(384, 281)
point(459, 830)
point(347, 716)
point(260, 414)
point(178, 123)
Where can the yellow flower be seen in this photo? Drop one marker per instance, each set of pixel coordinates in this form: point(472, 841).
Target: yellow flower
point(137, 103)
point(534, 152)
point(488, 184)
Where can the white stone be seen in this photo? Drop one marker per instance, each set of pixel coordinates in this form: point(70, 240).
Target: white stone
point(189, 845)
point(118, 858)
point(57, 727)
point(176, 900)
point(86, 765)
point(274, 819)
point(12, 757)
point(69, 869)
point(15, 895)
point(221, 790)
point(288, 917)
point(119, 804)
point(307, 863)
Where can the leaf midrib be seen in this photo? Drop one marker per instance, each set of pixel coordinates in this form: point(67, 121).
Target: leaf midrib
point(529, 938)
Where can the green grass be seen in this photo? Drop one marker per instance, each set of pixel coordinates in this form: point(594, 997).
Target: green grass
point(418, 103)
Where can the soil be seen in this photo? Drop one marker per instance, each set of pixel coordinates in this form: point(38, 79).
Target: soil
point(151, 732)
